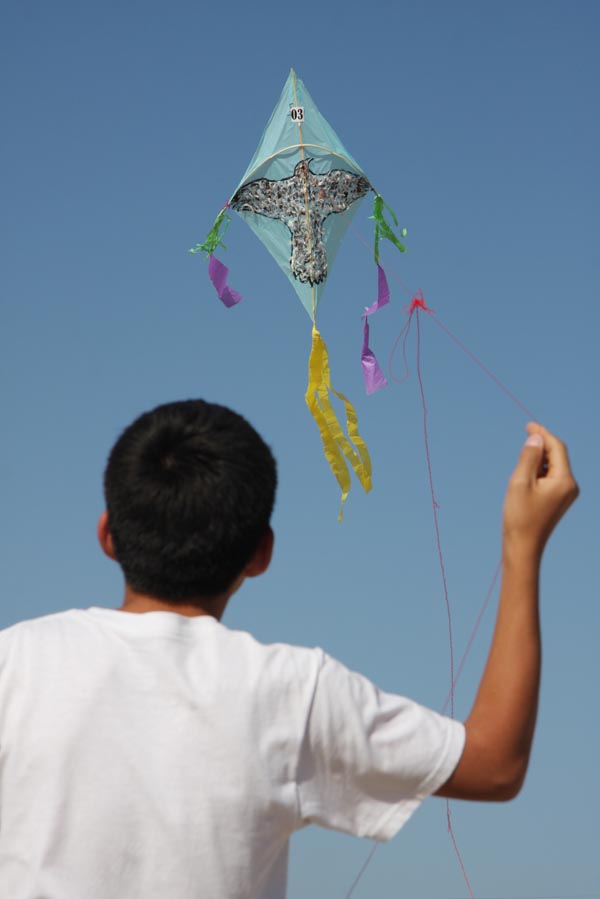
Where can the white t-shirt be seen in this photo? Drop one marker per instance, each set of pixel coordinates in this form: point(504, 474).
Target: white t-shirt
point(154, 756)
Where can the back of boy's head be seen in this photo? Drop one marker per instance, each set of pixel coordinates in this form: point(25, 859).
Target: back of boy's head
point(189, 490)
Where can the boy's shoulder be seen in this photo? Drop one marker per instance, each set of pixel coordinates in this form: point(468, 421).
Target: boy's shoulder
point(101, 622)
point(47, 622)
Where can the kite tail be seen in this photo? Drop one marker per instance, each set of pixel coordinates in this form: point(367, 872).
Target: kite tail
point(336, 445)
point(383, 229)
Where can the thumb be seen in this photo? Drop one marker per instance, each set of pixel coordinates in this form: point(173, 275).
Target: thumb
point(530, 459)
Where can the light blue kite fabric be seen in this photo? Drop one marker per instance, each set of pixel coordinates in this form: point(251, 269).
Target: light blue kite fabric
point(307, 188)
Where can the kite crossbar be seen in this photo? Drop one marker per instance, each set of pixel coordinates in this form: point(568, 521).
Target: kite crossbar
point(300, 146)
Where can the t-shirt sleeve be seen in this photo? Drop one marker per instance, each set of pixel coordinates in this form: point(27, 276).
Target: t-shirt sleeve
point(369, 758)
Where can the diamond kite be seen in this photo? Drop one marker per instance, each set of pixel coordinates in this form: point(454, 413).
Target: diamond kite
point(299, 195)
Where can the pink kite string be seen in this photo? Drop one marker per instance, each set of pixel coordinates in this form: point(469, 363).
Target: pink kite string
point(416, 304)
point(472, 635)
point(403, 334)
point(453, 337)
point(486, 370)
point(457, 850)
point(364, 867)
point(414, 307)
point(419, 303)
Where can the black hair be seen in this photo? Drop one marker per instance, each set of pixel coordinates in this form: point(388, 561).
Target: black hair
point(189, 488)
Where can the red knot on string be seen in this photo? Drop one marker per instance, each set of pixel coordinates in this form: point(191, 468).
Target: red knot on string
point(418, 302)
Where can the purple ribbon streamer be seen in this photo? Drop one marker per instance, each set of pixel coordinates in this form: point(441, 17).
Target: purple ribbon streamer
point(372, 373)
point(217, 272)
point(383, 293)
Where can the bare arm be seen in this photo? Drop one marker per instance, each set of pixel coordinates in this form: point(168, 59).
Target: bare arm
point(500, 727)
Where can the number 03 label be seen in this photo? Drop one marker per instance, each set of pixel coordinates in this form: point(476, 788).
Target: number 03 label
point(297, 113)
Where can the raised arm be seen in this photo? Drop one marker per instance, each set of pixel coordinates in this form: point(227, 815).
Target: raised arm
point(500, 727)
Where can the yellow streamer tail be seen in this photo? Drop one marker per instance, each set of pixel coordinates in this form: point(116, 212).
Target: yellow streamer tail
point(337, 447)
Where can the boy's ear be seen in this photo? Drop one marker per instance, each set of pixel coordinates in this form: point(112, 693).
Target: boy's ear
point(261, 559)
point(105, 537)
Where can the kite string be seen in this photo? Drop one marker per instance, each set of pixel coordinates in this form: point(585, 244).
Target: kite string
point(457, 850)
point(417, 304)
point(364, 867)
point(414, 308)
point(403, 333)
point(452, 336)
point(473, 634)
point(485, 369)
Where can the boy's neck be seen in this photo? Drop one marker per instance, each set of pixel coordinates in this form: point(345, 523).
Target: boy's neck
point(139, 603)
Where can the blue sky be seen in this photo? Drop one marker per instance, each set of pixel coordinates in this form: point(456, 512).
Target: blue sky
point(125, 127)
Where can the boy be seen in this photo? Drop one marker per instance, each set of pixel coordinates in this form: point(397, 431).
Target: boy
point(151, 753)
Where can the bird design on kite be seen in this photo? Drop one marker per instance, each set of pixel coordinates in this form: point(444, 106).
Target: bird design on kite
point(303, 202)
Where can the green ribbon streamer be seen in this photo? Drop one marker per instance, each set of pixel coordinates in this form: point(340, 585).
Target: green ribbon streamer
point(214, 238)
point(383, 229)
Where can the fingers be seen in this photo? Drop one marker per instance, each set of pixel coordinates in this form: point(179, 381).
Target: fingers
point(531, 458)
point(540, 490)
point(557, 457)
point(555, 468)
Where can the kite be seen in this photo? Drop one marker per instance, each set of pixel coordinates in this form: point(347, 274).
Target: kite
point(299, 194)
